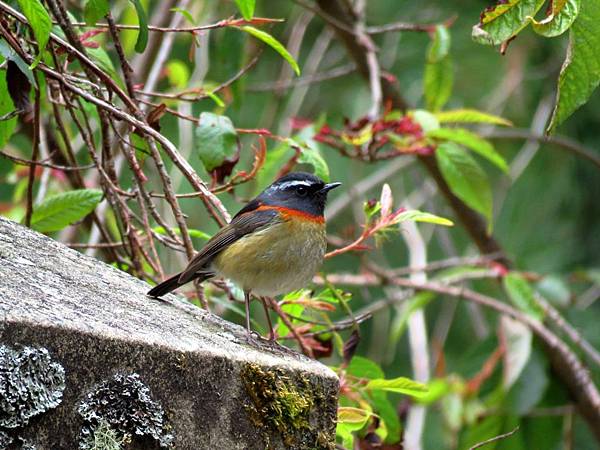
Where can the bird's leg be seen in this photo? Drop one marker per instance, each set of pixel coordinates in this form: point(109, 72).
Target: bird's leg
point(271, 331)
point(247, 302)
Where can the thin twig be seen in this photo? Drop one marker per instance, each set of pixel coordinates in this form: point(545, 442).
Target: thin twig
point(220, 24)
point(562, 142)
point(35, 153)
point(494, 439)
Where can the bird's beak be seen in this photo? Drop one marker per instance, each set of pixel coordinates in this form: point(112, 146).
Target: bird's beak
point(329, 186)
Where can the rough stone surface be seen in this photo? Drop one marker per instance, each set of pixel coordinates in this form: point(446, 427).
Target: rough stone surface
point(210, 388)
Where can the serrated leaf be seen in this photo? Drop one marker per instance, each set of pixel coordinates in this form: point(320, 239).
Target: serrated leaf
point(472, 141)
point(400, 385)
point(522, 295)
point(517, 338)
point(274, 44)
point(470, 116)
point(7, 127)
point(466, 179)
point(40, 23)
point(60, 210)
point(561, 16)
point(246, 7)
point(420, 216)
point(95, 10)
point(437, 83)
point(142, 39)
point(216, 140)
point(580, 73)
point(505, 20)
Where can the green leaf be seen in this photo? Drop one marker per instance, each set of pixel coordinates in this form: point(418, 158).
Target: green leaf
point(560, 17)
point(7, 127)
point(191, 231)
point(501, 22)
point(437, 389)
point(398, 326)
point(522, 295)
point(142, 39)
point(216, 140)
point(470, 116)
point(246, 7)
point(425, 119)
point(387, 412)
point(40, 23)
point(362, 367)
point(95, 10)
point(215, 98)
point(400, 385)
point(438, 76)
point(580, 73)
point(274, 44)
point(440, 46)
point(9, 53)
point(348, 414)
point(185, 13)
point(310, 152)
point(58, 211)
point(420, 216)
point(178, 73)
point(437, 81)
point(518, 339)
point(465, 177)
point(531, 385)
point(472, 141)
point(344, 432)
point(100, 57)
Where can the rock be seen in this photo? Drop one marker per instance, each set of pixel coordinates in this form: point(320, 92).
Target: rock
point(141, 373)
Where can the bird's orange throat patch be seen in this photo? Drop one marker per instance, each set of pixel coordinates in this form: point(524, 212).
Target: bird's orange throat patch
point(290, 213)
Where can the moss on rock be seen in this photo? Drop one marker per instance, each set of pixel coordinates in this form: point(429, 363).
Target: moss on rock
point(282, 405)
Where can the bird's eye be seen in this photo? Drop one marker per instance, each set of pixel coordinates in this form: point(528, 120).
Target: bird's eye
point(301, 191)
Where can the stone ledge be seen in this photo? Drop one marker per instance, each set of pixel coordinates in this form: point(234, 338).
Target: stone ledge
point(216, 390)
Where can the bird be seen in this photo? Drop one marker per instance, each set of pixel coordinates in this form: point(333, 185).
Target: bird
point(273, 245)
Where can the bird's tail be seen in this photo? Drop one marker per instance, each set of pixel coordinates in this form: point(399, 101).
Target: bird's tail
point(172, 283)
point(165, 287)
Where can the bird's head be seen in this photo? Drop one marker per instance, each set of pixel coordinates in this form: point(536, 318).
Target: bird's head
point(299, 191)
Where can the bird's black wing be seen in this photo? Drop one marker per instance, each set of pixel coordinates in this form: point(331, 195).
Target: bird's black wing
point(248, 220)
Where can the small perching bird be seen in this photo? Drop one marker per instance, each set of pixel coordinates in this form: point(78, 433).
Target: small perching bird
point(273, 245)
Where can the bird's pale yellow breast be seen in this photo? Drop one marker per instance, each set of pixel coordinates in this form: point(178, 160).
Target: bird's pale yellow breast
point(278, 259)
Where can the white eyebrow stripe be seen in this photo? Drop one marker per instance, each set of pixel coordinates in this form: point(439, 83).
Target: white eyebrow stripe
point(288, 184)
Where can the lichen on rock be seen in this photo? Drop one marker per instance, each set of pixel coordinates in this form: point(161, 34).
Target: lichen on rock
point(281, 404)
point(30, 384)
point(123, 406)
